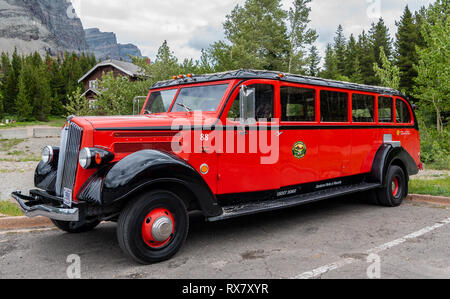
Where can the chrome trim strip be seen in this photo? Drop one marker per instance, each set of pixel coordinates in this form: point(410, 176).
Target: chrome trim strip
point(61, 160)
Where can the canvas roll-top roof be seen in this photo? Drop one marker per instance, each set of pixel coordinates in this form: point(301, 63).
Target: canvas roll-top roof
point(255, 74)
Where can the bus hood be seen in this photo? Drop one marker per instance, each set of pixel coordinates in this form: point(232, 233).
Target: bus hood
point(158, 121)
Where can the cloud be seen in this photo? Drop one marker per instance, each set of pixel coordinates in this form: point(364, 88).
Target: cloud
point(189, 26)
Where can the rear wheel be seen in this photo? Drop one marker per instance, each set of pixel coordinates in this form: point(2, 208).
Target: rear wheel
point(395, 189)
point(75, 227)
point(153, 227)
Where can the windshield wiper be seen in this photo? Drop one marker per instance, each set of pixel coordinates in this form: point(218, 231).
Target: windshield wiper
point(188, 109)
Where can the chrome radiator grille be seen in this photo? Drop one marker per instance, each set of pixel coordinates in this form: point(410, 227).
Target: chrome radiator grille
point(68, 158)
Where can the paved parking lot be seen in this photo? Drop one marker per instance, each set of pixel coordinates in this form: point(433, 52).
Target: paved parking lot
point(330, 239)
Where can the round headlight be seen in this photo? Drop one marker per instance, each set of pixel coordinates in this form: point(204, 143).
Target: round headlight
point(85, 158)
point(47, 154)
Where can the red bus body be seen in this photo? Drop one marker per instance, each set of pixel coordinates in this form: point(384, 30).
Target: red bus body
point(106, 164)
point(334, 149)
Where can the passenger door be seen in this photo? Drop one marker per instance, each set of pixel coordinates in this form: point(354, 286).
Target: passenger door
point(245, 166)
point(335, 135)
point(299, 142)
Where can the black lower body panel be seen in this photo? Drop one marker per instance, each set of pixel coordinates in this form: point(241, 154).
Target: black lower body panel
point(281, 203)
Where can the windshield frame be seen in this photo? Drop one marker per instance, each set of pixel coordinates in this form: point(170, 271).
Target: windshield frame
point(230, 83)
point(216, 83)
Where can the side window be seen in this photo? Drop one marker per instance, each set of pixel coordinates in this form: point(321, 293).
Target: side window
point(402, 112)
point(385, 110)
point(265, 95)
point(298, 104)
point(363, 107)
point(333, 106)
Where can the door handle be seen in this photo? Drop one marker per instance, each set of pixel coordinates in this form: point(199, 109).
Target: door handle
point(279, 133)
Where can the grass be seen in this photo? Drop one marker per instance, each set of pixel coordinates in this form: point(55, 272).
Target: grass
point(435, 187)
point(11, 170)
point(53, 122)
point(438, 166)
point(9, 209)
point(8, 144)
point(17, 153)
point(22, 159)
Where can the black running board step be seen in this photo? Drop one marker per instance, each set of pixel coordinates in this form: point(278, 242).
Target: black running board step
point(282, 203)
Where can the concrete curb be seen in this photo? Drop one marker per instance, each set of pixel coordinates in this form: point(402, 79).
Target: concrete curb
point(440, 200)
point(30, 132)
point(24, 222)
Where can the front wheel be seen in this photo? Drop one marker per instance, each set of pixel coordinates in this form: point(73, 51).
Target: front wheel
point(153, 227)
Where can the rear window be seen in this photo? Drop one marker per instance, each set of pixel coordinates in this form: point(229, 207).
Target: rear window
point(385, 110)
point(298, 104)
point(363, 107)
point(333, 106)
point(402, 112)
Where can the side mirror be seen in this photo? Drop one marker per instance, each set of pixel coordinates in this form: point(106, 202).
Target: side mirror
point(247, 100)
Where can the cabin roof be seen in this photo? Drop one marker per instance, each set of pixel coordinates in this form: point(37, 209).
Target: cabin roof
point(128, 68)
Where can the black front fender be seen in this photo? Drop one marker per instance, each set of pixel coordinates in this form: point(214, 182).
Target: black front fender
point(116, 184)
point(45, 176)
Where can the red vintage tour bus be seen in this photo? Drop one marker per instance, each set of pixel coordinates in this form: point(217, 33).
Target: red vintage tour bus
point(284, 139)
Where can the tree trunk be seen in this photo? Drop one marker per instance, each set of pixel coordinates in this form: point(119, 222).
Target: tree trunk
point(439, 124)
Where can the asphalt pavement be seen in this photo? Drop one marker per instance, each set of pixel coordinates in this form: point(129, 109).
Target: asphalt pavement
point(337, 238)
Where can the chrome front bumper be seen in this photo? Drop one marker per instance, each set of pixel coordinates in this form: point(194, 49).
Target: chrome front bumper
point(33, 206)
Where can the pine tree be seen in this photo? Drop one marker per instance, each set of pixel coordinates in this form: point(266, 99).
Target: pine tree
point(42, 100)
point(205, 64)
point(351, 57)
point(22, 102)
point(12, 82)
point(406, 41)
point(339, 50)
point(166, 64)
point(366, 58)
point(4, 70)
point(222, 57)
point(313, 61)
point(257, 34)
point(300, 36)
point(1, 96)
point(330, 67)
point(379, 37)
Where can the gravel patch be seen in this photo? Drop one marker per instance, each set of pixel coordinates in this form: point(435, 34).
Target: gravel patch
point(431, 174)
point(17, 175)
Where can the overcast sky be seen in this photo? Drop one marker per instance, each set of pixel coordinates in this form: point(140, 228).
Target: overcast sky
point(189, 26)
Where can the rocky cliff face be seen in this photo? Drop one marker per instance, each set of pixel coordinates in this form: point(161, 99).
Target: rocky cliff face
point(40, 25)
point(104, 45)
point(52, 26)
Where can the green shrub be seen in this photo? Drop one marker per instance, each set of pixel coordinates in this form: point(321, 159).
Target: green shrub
point(435, 148)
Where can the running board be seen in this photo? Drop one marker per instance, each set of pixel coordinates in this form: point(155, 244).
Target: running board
point(281, 203)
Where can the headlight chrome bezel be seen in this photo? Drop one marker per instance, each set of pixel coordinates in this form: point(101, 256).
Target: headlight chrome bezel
point(85, 158)
point(91, 157)
point(48, 154)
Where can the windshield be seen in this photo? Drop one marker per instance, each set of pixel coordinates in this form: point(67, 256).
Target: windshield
point(200, 98)
point(160, 101)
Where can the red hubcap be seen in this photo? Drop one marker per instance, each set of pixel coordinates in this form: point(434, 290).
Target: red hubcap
point(395, 187)
point(158, 227)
